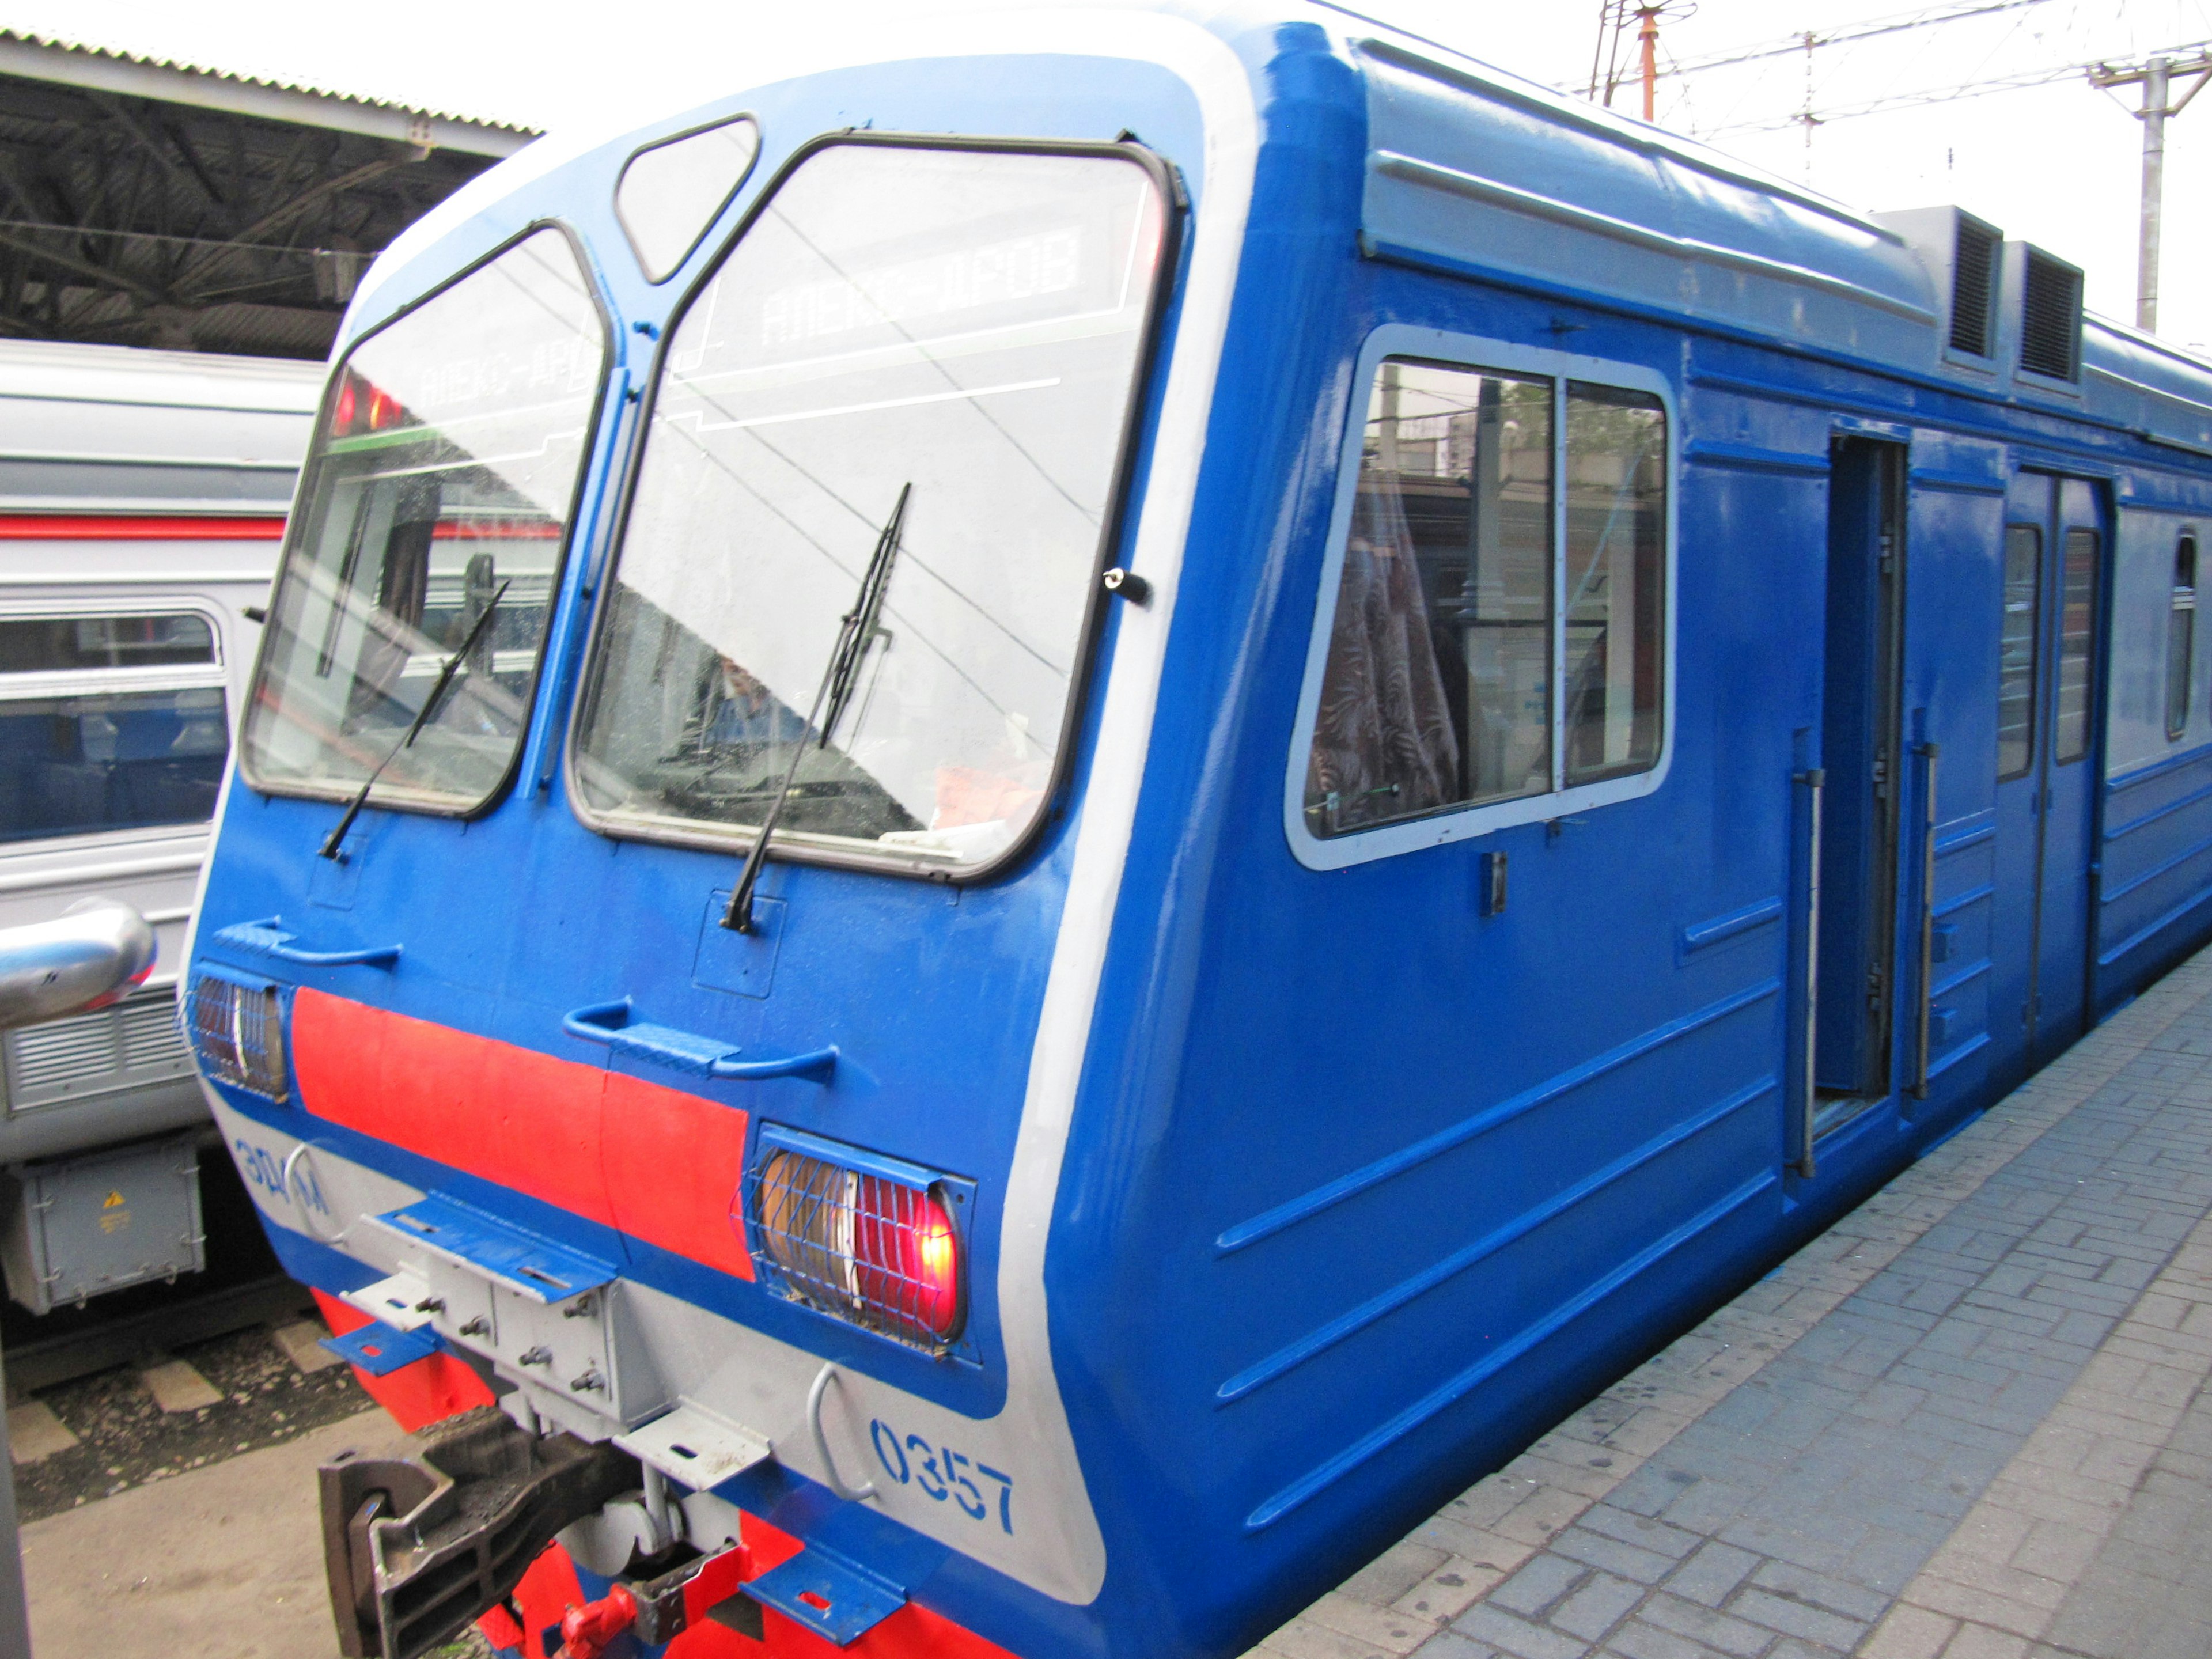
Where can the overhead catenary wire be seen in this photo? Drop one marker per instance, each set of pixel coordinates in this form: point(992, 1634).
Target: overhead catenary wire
point(1812, 40)
point(1941, 94)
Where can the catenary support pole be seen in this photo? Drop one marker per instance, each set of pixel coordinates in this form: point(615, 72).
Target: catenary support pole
point(2156, 83)
point(2156, 75)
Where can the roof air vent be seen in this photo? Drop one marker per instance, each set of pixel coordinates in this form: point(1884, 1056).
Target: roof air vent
point(1973, 286)
point(2050, 317)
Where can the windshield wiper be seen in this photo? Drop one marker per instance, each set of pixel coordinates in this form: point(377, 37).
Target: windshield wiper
point(856, 630)
point(329, 848)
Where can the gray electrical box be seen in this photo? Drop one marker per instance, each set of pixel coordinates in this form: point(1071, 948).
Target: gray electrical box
point(80, 1227)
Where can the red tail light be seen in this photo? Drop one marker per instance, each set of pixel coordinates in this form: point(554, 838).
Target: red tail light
point(360, 406)
point(908, 1253)
point(882, 1250)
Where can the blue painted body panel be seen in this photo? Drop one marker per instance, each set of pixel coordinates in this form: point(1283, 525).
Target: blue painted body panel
point(1362, 1186)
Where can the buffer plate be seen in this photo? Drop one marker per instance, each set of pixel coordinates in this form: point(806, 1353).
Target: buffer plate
point(699, 1448)
point(529, 1265)
point(396, 1301)
point(835, 1598)
point(380, 1350)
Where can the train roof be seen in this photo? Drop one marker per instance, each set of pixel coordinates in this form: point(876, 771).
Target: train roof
point(123, 429)
point(1476, 170)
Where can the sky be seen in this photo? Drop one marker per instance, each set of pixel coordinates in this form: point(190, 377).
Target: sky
point(2058, 164)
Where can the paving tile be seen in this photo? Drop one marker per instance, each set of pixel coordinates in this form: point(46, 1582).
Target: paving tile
point(1641, 1530)
point(1379, 1627)
point(1710, 1576)
point(1543, 1581)
point(1449, 1591)
point(1644, 1566)
point(1980, 1641)
point(1637, 1640)
point(1536, 1517)
point(1393, 1572)
point(1501, 1630)
point(1451, 1644)
point(1837, 1596)
point(1302, 1638)
point(1473, 1544)
point(1794, 1618)
point(1597, 1606)
point(1715, 1631)
point(1908, 1633)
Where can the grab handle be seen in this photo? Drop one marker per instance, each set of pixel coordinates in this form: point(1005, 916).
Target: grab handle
point(271, 941)
point(1928, 752)
point(1815, 779)
point(822, 1379)
point(609, 1024)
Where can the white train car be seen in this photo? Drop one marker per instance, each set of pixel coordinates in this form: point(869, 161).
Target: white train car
point(143, 497)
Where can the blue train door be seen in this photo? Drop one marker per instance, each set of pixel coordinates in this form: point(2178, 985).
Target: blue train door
point(1861, 752)
point(2047, 683)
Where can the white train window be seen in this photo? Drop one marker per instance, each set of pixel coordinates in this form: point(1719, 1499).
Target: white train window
point(2023, 583)
point(2077, 644)
point(109, 722)
point(1495, 623)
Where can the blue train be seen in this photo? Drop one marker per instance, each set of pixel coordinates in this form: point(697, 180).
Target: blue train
point(1032, 825)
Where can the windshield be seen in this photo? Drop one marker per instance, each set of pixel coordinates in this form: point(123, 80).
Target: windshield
point(441, 482)
point(959, 325)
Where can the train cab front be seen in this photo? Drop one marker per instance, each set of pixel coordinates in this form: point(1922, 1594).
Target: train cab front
point(633, 938)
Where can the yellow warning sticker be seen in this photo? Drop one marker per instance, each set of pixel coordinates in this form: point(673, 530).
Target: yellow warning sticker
point(113, 1221)
point(112, 1201)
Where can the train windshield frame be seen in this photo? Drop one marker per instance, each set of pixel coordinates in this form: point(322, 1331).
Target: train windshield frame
point(438, 503)
point(936, 349)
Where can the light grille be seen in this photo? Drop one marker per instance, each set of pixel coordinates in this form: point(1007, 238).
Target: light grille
point(149, 1034)
point(126, 1047)
point(2050, 317)
point(237, 1031)
point(873, 1242)
point(1974, 250)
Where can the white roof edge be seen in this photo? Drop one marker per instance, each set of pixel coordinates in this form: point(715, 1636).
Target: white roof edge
point(71, 372)
point(37, 56)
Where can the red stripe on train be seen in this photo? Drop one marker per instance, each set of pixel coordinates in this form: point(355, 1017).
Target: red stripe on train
point(667, 1173)
point(137, 527)
point(153, 527)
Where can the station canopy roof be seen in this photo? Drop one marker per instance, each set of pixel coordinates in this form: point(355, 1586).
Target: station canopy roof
point(153, 202)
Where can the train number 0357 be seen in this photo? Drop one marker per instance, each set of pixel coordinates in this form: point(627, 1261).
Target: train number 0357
point(944, 1474)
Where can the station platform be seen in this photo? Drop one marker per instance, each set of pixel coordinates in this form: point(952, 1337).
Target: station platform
point(1969, 1422)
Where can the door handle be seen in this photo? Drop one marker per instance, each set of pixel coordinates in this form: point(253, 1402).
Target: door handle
point(610, 1025)
point(269, 939)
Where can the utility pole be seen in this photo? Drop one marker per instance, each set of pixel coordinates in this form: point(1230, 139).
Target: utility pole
point(1614, 17)
point(1648, 36)
point(2156, 75)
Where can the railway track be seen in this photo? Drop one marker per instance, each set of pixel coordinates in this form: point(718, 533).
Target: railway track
point(63, 1357)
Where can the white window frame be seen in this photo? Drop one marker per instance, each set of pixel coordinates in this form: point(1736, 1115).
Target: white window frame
point(1475, 353)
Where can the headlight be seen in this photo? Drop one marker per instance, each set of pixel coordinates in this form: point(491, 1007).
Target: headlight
point(868, 1238)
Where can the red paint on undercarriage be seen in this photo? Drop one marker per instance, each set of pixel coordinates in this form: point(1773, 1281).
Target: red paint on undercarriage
point(428, 1391)
point(550, 1588)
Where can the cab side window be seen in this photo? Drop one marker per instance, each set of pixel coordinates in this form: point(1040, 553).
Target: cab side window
point(1499, 625)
